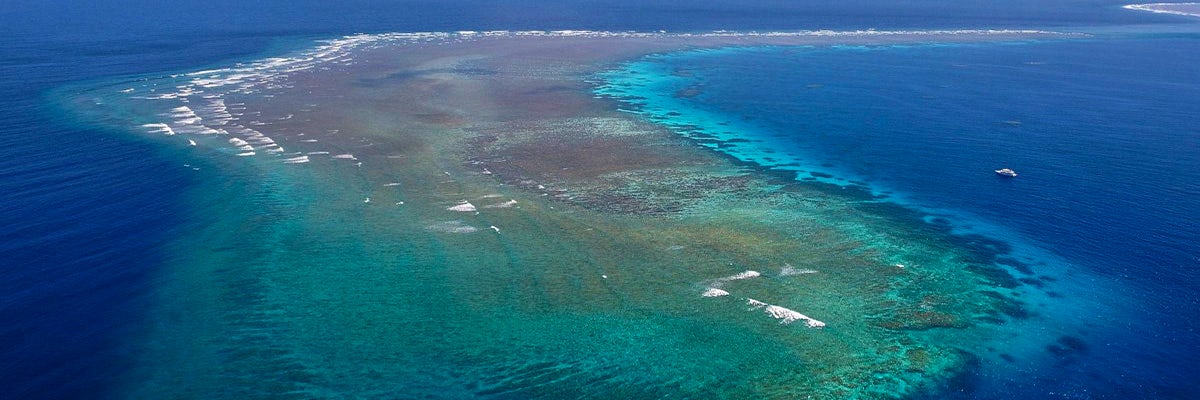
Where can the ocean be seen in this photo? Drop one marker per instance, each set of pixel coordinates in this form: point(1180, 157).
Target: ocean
point(1099, 130)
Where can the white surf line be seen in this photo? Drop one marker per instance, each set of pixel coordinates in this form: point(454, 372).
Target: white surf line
point(456, 226)
point(784, 315)
point(725, 33)
point(507, 204)
point(720, 282)
point(159, 128)
point(241, 144)
point(1157, 8)
point(464, 206)
point(789, 270)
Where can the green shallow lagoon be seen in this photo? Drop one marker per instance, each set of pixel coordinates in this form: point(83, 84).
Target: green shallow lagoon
point(578, 270)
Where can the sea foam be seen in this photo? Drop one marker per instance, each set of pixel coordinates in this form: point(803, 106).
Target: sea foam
point(719, 282)
point(455, 226)
point(507, 204)
point(784, 315)
point(159, 128)
point(789, 270)
point(1165, 8)
point(463, 207)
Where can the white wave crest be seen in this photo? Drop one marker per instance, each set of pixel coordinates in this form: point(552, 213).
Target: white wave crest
point(241, 144)
point(1166, 8)
point(455, 226)
point(507, 204)
point(789, 270)
point(784, 315)
point(720, 282)
point(159, 128)
point(463, 207)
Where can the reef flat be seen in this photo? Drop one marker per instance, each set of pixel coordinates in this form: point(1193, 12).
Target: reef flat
point(458, 215)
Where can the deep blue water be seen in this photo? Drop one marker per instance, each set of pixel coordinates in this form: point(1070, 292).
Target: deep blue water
point(84, 212)
point(1101, 132)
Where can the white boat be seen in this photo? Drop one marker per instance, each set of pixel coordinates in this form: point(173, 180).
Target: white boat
point(1006, 172)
